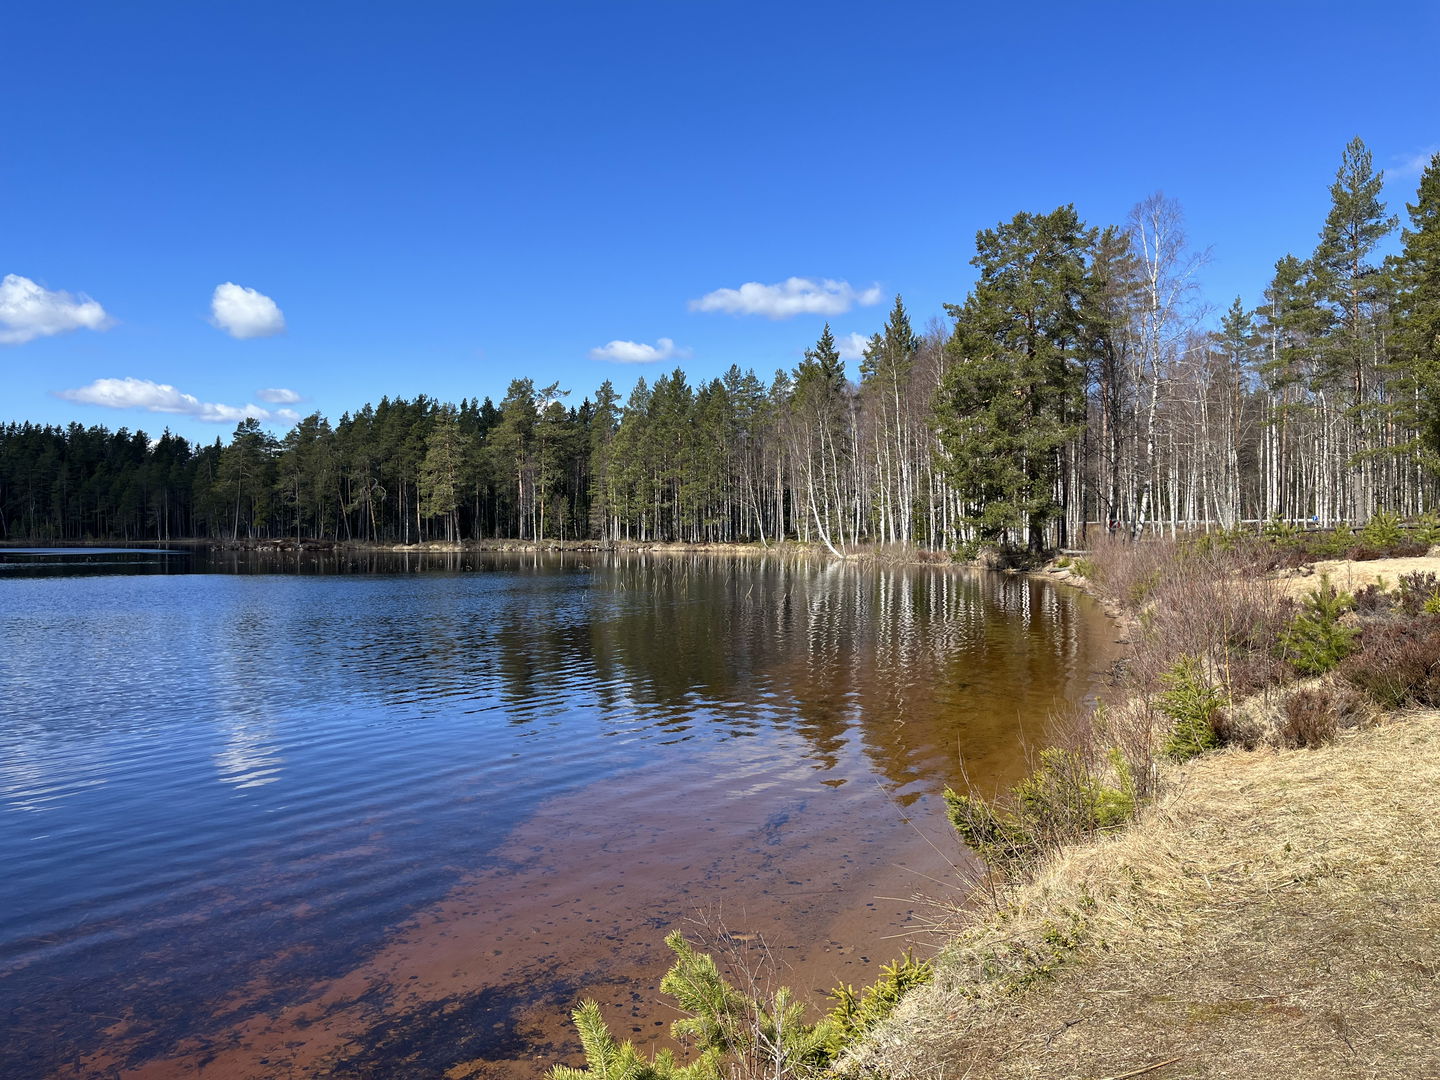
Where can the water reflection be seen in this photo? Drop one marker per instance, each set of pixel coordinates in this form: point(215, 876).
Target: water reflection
point(254, 771)
point(250, 757)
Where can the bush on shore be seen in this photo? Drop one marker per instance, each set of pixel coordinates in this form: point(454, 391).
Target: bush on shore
point(748, 1032)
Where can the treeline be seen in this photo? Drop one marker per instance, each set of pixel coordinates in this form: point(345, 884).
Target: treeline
point(1078, 384)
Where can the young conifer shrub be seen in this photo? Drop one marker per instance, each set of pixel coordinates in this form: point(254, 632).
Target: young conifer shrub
point(1277, 531)
point(1192, 704)
point(1316, 641)
point(1334, 544)
point(1427, 529)
point(857, 1011)
point(740, 1035)
point(1061, 801)
point(1382, 531)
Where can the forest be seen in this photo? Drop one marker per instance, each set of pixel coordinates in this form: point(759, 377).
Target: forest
point(1082, 384)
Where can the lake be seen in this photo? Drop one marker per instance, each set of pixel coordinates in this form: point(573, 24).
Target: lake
point(286, 815)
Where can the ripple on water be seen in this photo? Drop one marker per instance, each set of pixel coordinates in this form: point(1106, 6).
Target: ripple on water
point(220, 791)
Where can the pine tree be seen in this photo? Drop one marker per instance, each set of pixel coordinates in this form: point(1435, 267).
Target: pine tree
point(1355, 225)
point(1237, 353)
point(1012, 398)
point(1354, 289)
point(1417, 274)
point(603, 423)
point(1293, 324)
point(1112, 308)
point(245, 475)
point(440, 471)
point(885, 376)
point(511, 444)
point(820, 450)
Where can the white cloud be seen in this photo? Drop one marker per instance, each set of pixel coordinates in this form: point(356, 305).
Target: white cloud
point(637, 352)
point(278, 395)
point(28, 311)
point(852, 346)
point(245, 313)
point(1410, 166)
point(164, 398)
point(793, 296)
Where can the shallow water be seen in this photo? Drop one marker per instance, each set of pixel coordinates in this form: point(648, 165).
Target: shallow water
point(289, 815)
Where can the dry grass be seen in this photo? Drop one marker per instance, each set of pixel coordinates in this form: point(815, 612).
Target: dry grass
point(1274, 914)
point(1353, 576)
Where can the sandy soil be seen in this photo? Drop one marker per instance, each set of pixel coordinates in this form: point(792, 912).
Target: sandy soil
point(1349, 575)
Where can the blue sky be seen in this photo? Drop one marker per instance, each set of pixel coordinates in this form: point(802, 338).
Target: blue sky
point(440, 197)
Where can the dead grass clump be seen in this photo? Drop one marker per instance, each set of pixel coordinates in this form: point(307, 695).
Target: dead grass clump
point(1273, 916)
point(1306, 714)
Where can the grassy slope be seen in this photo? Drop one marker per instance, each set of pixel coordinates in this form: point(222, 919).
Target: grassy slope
point(1275, 914)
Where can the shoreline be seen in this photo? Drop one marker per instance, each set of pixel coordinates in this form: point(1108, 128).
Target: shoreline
point(1270, 912)
point(309, 544)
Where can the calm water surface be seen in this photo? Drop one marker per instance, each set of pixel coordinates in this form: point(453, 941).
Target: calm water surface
point(393, 816)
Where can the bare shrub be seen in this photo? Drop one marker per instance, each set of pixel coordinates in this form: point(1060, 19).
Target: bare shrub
point(1365, 553)
point(1373, 600)
point(1127, 570)
point(1200, 600)
point(1307, 714)
point(1308, 720)
point(1248, 673)
point(1415, 591)
point(1398, 662)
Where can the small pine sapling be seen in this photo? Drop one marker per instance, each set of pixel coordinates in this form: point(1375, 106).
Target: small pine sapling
point(1316, 640)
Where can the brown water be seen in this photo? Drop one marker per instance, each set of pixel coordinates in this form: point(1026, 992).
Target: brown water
point(395, 818)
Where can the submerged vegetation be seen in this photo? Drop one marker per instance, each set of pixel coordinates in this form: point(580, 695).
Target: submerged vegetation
point(1227, 655)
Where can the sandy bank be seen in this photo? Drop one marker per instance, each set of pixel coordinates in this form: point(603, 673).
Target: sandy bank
point(1350, 575)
